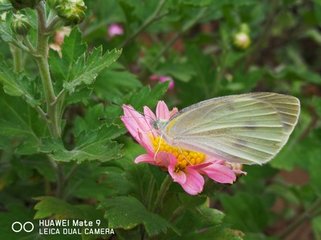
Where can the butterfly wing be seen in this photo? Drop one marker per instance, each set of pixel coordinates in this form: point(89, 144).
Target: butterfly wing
point(248, 128)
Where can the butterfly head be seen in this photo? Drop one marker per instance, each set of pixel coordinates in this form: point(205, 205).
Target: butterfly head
point(159, 124)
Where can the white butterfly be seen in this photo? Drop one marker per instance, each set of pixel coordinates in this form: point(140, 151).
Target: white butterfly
point(248, 128)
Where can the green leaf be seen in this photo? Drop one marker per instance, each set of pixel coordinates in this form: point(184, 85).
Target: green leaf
point(57, 208)
point(180, 71)
point(97, 181)
point(78, 67)
point(72, 49)
point(246, 212)
point(87, 68)
point(115, 82)
point(316, 225)
point(217, 233)
point(202, 66)
point(5, 7)
point(147, 96)
point(15, 210)
point(6, 33)
point(16, 85)
point(210, 216)
point(20, 124)
point(93, 145)
point(128, 212)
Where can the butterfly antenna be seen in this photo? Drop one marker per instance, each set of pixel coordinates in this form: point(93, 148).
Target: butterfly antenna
point(159, 145)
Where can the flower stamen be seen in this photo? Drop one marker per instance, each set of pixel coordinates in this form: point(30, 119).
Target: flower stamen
point(184, 157)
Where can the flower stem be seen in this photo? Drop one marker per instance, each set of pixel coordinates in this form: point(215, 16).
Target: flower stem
point(17, 56)
point(152, 18)
point(43, 66)
point(53, 109)
point(162, 193)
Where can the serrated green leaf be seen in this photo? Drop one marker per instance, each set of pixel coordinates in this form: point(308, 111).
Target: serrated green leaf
point(16, 85)
point(210, 216)
point(87, 70)
point(77, 67)
point(5, 7)
point(20, 124)
point(115, 82)
point(60, 209)
point(147, 96)
point(5, 32)
point(128, 212)
point(94, 145)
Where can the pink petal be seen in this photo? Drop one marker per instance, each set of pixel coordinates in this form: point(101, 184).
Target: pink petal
point(149, 114)
point(145, 158)
point(194, 182)
point(154, 77)
point(115, 29)
point(179, 177)
point(134, 121)
point(171, 85)
point(220, 173)
point(145, 141)
point(164, 158)
point(173, 112)
point(162, 111)
point(165, 78)
point(131, 127)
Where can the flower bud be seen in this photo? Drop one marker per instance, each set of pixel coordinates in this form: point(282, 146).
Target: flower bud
point(72, 11)
point(20, 4)
point(242, 40)
point(245, 28)
point(20, 24)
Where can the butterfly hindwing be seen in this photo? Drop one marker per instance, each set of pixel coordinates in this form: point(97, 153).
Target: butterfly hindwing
point(248, 128)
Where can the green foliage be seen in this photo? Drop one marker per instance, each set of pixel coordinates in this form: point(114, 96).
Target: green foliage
point(17, 85)
point(92, 145)
point(20, 126)
point(128, 212)
point(64, 151)
point(82, 68)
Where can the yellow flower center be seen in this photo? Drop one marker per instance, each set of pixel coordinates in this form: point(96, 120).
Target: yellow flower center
point(184, 157)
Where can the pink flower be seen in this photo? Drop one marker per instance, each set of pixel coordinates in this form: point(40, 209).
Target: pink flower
point(161, 78)
point(186, 167)
point(115, 30)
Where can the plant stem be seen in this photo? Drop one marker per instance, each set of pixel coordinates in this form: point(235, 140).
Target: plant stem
point(173, 40)
point(60, 181)
point(53, 109)
point(308, 213)
point(43, 66)
point(17, 56)
point(152, 18)
point(150, 193)
point(162, 192)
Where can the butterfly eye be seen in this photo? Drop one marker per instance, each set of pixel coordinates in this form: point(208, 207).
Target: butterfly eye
point(154, 124)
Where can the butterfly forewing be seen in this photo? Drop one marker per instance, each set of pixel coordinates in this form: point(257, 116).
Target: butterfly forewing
point(248, 128)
